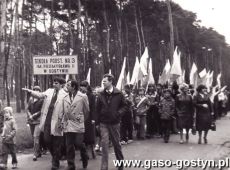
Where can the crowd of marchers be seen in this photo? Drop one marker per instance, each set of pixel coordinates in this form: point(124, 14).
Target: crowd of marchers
point(71, 115)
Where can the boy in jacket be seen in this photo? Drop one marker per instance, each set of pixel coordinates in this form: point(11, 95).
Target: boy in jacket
point(167, 111)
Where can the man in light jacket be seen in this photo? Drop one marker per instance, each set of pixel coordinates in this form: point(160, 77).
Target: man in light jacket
point(76, 111)
point(51, 119)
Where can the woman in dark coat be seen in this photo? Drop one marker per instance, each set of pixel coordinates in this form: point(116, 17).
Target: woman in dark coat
point(184, 109)
point(203, 111)
point(89, 137)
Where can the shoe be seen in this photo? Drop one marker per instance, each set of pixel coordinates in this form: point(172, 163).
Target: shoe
point(34, 158)
point(97, 148)
point(123, 142)
point(205, 140)
point(14, 166)
point(85, 162)
point(129, 141)
point(181, 141)
point(3, 166)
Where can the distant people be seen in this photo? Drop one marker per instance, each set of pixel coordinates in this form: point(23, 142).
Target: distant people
point(8, 138)
point(142, 106)
point(204, 112)
point(167, 113)
point(51, 120)
point(185, 111)
point(76, 110)
point(33, 119)
point(110, 108)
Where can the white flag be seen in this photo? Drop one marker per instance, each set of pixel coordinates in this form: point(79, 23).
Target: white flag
point(88, 76)
point(136, 72)
point(150, 73)
point(176, 65)
point(192, 74)
point(128, 78)
point(122, 76)
point(218, 80)
point(144, 61)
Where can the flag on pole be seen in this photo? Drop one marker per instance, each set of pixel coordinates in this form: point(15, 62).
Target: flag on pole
point(136, 72)
point(150, 77)
point(88, 76)
point(128, 78)
point(176, 70)
point(150, 73)
point(192, 76)
point(144, 62)
point(181, 79)
point(202, 77)
point(122, 76)
point(218, 80)
point(203, 73)
point(164, 77)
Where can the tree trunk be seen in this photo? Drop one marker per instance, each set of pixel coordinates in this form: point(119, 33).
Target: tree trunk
point(142, 30)
point(2, 46)
point(107, 56)
point(138, 31)
point(171, 30)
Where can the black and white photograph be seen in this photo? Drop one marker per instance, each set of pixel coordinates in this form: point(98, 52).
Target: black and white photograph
point(115, 84)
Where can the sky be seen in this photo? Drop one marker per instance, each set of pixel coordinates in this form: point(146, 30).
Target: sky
point(212, 13)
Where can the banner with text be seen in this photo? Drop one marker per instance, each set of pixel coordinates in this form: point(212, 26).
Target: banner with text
point(55, 65)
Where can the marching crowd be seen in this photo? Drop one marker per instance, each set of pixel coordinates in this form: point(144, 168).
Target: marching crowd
point(72, 115)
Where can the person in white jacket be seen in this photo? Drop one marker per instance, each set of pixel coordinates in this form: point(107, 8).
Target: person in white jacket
point(51, 118)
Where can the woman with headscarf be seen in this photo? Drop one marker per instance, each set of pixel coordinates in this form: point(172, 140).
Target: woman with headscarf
point(184, 109)
point(204, 112)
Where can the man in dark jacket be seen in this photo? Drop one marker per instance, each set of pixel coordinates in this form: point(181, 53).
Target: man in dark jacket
point(110, 107)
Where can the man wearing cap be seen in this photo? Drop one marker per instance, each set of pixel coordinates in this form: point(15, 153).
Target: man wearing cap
point(51, 119)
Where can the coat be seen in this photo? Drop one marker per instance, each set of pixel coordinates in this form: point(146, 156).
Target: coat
point(167, 108)
point(110, 108)
point(75, 112)
point(58, 111)
point(142, 105)
point(89, 137)
point(203, 115)
point(9, 131)
point(185, 111)
point(34, 107)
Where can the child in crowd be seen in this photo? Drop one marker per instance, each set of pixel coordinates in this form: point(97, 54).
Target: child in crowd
point(167, 113)
point(8, 138)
